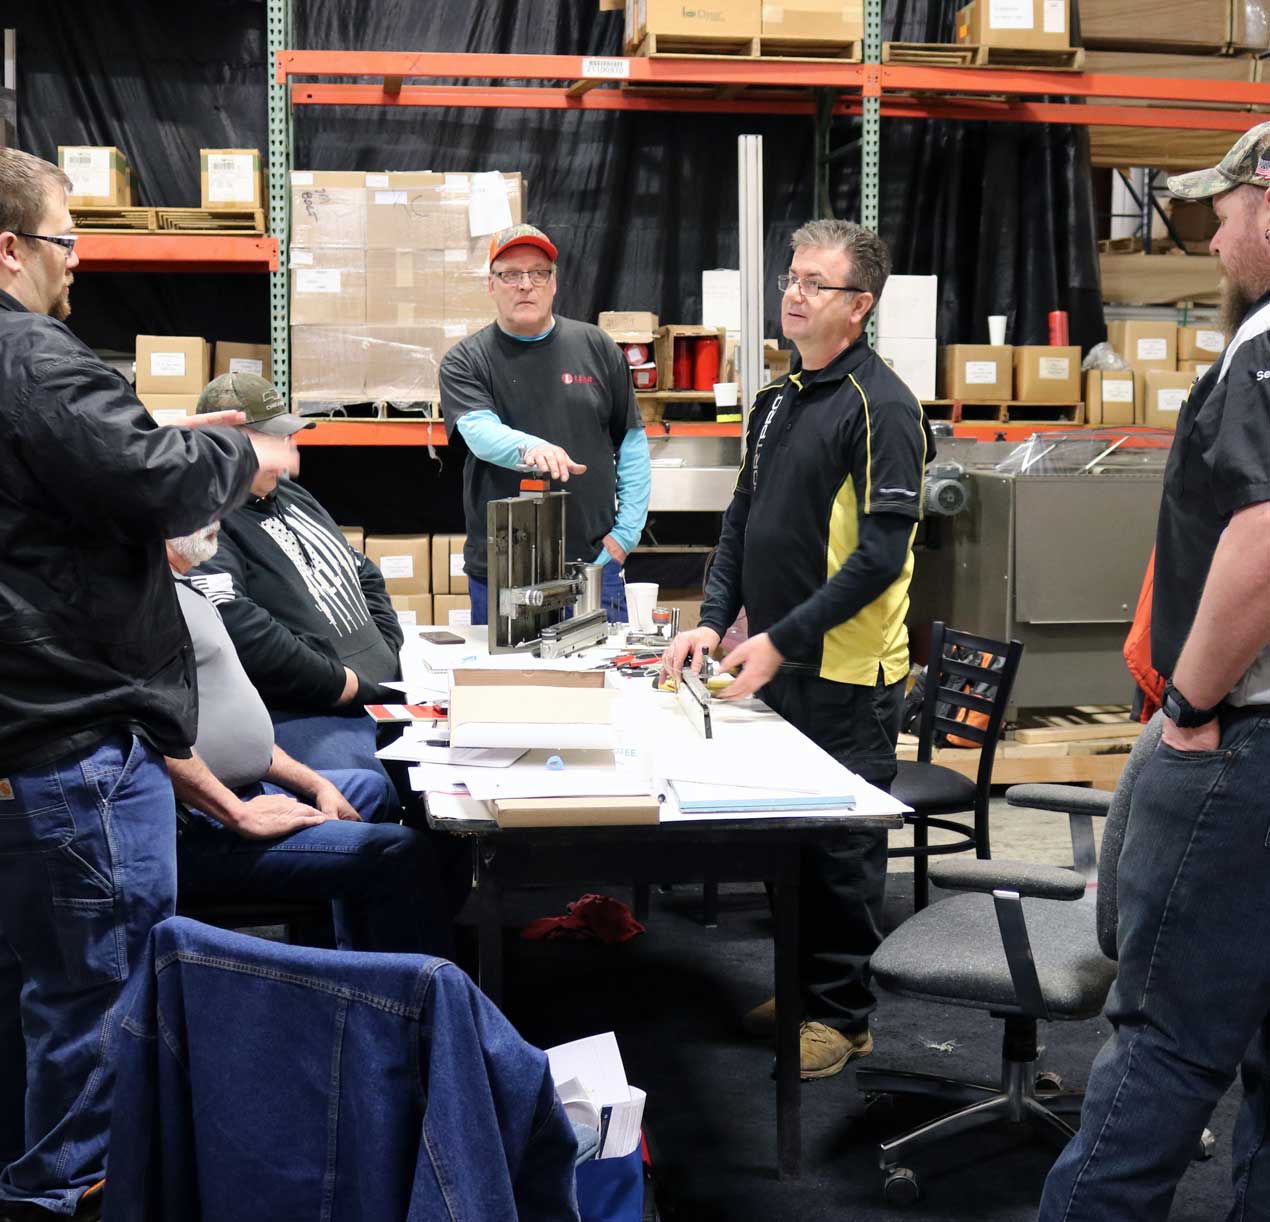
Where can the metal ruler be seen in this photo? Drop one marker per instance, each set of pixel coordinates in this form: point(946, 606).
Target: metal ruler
point(694, 700)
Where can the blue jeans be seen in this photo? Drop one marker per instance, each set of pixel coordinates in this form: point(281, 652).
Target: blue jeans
point(612, 595)
point(379, 876)
point(87, 869)
point(1192, 994)
point(329, 741)
point(263, 1081)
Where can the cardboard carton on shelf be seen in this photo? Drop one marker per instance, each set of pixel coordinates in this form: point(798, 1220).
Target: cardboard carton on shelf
point(356, 537)
point(1035, 25)
point(452, 610)
point(403, 560)
point(1046, 374)
point(173, 364)
point(1212, 26)
point(242, 358)
point(412, 609)
point(1165, 391)
point(1110, 398)
point(405, 213)
point(914, 360)
point(718, 19)
point(615, 322)
point(978, 372)
point(231, 178)
point(328, 215)
point(1197, 369)
point(1145, 344)
point(1199, 344)
point(100, 176)
point(448, 573)
point(832, 21)
point(404, 287)
point(1164, 63)
point(330, 360)
point(328, 286)
point(403, 364)
point(168, 409)
point(664, 350)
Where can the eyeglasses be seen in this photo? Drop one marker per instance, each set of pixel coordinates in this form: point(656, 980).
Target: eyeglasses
point(65, 241)
point(537, 277)
point(811, 287)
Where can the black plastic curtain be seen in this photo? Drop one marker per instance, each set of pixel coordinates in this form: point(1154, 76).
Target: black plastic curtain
point(639, 203)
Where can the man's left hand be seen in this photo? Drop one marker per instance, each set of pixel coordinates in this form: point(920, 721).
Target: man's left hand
point(757, 661)
point(334, 804)
point(615, 549)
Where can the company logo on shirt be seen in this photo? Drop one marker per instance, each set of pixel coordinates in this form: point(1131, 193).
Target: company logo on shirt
point(570, 379)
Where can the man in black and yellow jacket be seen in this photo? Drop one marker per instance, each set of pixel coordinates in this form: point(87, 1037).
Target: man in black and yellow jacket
point(817, 547)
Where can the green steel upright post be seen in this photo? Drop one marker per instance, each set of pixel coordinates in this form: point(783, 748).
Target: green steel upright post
point(279, 39)
point(870, 145)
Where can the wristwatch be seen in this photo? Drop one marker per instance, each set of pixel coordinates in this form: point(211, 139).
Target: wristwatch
point(1181, 712)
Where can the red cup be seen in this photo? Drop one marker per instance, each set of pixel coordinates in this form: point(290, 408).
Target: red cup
point(681, 370)
point(1058, 328)
point(705, 364)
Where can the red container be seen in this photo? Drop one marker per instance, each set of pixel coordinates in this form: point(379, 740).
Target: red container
point(705, 363)
point(1058, 329)
point(681, 370)
point(636, 354)
point(644, 376)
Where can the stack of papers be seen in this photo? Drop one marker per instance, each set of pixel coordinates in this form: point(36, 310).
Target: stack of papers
point(591, 1082)
point(695, 798)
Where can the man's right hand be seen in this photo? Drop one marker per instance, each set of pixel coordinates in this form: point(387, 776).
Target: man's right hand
point(351, 684)
point(276, 455)
point(554, 461)
point(687, 646)
point(272, 815)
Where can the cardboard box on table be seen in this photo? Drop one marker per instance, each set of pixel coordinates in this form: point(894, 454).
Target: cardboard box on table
point(554, 710)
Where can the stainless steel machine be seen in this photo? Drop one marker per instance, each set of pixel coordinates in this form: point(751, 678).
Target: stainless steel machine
point(1050, 548)
point(538, 600)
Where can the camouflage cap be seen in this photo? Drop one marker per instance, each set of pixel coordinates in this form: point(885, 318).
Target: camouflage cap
point(521, 235)
point(265, 408)
point(1247, 163)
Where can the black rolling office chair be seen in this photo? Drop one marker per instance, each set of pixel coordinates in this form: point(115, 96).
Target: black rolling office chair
point(932, 790)
point(1024, 942)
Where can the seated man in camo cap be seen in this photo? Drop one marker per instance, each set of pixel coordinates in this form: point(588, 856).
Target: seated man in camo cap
point(309, 616)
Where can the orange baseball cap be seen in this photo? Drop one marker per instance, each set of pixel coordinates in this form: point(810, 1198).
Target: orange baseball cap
point(521, 235)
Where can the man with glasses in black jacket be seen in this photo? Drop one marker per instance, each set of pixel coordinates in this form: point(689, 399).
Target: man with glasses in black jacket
point(817, 547)
point(96, 687)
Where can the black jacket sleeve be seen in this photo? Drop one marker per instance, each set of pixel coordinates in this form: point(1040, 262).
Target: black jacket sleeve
point(723, 595)
point(876, 562)
point(116, 470)
point(378, 602)
point(289, 669)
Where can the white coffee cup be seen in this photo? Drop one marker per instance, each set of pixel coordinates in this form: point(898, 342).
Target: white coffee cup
point(641, 598)
point(726, 394)
point(996, 329)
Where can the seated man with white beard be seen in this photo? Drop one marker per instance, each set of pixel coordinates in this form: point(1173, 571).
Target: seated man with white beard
point(259, 824)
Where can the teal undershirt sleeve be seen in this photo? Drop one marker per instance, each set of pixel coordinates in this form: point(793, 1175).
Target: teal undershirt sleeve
point(494, 442)
point(634, 483)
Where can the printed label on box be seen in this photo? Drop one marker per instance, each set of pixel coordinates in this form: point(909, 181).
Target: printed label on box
point(167, 365)
point(456, 564)
point(408, 619)
point(390, 197)
point(168, 415)
point(1010, 14)
point(1170, 399)
point(245, 364)
point(460, 619)
point(1119, 390)
point(1054, 20)
point(317, 280)
point(301, 178)
point(88, 170)
point(397, 566)
point(1153, 349)
point(981, 373)
point(1201, 370)
point(1054, 368)
point(301, 258)
point(598, 68)
point(230, 177)
point(376, 180)
point(1210, 341)
point(454, 330)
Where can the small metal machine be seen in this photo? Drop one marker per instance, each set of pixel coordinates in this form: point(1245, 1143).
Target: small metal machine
point(532, 588)
point(694, 701)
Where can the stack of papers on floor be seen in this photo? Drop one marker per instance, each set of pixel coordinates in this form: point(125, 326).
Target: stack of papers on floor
point(591, 1082)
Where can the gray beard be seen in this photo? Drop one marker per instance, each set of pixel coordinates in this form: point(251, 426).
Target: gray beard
point(197, 548)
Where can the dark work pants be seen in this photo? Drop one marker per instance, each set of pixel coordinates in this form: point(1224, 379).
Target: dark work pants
point(842, 889)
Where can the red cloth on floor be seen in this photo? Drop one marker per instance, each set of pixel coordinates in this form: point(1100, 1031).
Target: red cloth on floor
point(593, 918)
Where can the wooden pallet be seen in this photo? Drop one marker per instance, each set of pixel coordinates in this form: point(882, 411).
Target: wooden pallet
point(845, 51)
point(1043, 413)
point(1084, 723)
point(972, 55)
point(1050, 763)
point(112, 220)
point(210, 220)
point(696, 46)
point(998, 411)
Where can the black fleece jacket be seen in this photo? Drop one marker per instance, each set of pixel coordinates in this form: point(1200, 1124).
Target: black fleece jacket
point(300, 604)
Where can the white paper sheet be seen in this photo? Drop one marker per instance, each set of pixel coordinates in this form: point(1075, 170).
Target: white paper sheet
point(489, 209)
point(417, 751)
point(583, 776)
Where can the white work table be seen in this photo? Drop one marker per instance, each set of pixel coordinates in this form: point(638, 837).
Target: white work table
point(700, 848)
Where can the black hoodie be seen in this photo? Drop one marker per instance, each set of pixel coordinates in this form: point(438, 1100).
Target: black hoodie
point(300, 603)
